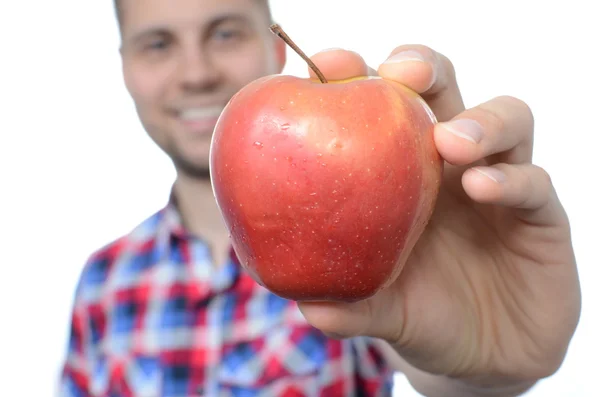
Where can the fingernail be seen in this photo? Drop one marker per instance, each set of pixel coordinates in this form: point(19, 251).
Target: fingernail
point(408, 55)
point(466, 129)
point(493, 173)
point(415, 56)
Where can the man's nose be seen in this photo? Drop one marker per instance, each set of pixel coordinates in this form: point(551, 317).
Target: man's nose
point(198, 72)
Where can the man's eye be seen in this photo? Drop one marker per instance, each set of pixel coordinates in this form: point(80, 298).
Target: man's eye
point(157, 45)
point(226, 34)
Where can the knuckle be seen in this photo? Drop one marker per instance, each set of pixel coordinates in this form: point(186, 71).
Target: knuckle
point(493, 118)
point(536, 182)
point(521, 104)
point(525, 180)
point(447, 65)
point(518, 105)
point(503, 110)
point(544, 178)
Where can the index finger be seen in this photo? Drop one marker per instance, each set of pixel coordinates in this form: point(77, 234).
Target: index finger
point(340, 64)
point(430, 74)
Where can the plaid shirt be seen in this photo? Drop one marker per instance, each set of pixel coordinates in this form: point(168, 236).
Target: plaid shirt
point(153, 317)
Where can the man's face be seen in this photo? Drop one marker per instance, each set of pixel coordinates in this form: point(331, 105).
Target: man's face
point(183, 60)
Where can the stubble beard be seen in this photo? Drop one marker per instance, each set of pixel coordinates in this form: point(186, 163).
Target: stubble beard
point(189, 168)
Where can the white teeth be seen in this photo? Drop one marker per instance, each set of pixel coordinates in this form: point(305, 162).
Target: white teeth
point(200, 113)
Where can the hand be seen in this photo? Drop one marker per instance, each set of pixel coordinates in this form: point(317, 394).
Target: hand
point(491, 289)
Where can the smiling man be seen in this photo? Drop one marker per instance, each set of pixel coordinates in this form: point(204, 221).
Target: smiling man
point(487, 303)
point(183, 318)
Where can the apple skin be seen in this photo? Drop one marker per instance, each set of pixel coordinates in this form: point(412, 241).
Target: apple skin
point(325, 188)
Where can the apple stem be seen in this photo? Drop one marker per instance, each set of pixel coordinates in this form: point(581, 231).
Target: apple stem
point(275, 28)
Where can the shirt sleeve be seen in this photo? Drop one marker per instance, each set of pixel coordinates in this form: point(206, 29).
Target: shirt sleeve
point(74, 377)
point(374, 372)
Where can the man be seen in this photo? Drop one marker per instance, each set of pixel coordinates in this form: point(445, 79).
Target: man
point(486, 305)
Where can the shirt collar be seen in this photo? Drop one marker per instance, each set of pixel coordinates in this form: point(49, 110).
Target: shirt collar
point(172, 222)
point(172, 234)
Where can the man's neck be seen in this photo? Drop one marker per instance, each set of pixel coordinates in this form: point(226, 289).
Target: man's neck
point(201, 216)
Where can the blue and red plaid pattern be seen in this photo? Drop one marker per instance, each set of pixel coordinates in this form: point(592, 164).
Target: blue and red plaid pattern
point(152, 317)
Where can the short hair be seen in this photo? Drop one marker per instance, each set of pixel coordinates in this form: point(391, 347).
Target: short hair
point(119, 10)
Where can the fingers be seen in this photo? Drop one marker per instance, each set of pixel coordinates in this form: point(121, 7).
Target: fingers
point(339, 64)
point(430, 74)
point(525, 187)
point(420, 68)
point(502, 126)
point(337, 320)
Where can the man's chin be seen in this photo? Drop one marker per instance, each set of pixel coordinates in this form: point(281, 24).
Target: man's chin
point(192, 169)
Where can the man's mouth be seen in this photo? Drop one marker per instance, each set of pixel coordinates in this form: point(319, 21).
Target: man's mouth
point(199, 120)
point(199, 114)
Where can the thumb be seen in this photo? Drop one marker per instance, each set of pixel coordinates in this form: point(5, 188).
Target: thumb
point(379, 316)
point(338, 320)
point(339, 64)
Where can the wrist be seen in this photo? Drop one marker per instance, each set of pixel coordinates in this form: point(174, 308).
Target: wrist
point(492, 388)
point(435, 385)
point(443, 386)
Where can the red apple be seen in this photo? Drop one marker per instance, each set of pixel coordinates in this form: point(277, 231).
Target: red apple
point(325, 187)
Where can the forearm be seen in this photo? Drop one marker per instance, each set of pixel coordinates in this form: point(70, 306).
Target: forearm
point(441, 386)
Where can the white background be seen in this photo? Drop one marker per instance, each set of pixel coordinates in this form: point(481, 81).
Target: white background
point(77, 170)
